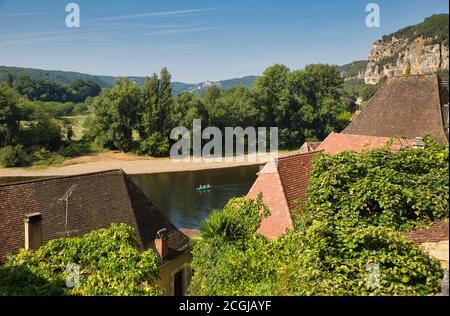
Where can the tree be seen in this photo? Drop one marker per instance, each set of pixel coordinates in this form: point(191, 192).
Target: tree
point(43, 131)
point(80, 90)
point(151, 114)
point(8, 79)
point(114, 114)
point(271, 89)
point(165, 99)
point(10, 115)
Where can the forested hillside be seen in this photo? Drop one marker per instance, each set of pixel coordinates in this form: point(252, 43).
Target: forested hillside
point(68, 77)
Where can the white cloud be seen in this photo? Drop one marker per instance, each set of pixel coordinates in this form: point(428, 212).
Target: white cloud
point(153, 14)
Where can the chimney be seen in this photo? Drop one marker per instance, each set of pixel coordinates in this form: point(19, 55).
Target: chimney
point(33, 231)
point(162, 243)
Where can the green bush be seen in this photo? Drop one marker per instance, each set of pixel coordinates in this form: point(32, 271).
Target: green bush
point(313, 260)
point(14, 156)
point(403, 190)
point(366, 261)
point(109, 259)
point(348, 239)
point(43, 131)
point(41, 156)
point(155, 145)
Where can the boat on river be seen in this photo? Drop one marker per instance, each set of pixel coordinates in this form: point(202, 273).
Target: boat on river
point(205, 187)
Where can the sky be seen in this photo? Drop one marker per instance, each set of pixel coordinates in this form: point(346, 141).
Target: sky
point(197, 40)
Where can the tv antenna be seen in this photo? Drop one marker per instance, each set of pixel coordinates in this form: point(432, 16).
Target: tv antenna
point(65, 198)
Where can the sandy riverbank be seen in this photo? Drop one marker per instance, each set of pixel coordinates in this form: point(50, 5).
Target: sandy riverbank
point(131, 164)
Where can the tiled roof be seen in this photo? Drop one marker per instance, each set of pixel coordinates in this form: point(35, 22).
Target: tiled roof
point(438, 232)
point(281, 184)
point(308, 147)
point(294, 172)
point(98, 200)
point(269, 184)
point(338, 142)
point(406, 107)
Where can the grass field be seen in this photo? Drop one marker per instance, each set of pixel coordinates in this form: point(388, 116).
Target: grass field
point(78, 125)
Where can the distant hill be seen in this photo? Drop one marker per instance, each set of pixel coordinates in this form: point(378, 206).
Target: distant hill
point(354, 70)
point(108, 81)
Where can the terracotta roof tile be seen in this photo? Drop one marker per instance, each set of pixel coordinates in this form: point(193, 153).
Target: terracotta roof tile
point(269, 184)
point(294, 173)
point(438, 232)
point(281, 184)
point(336, 143)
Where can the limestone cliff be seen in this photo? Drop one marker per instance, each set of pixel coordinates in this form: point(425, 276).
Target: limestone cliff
point(399, 57)
point(414, 50)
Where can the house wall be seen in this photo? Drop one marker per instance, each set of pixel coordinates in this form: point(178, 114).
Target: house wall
point(169, 270)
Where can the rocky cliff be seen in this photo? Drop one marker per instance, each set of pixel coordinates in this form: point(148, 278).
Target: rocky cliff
point(399, 57)
point(414, 50)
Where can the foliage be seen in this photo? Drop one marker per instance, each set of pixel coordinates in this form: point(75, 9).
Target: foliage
point(402, 190)
point(10, 115)
point(435, 27)
point(113, 115)
point(229, 224)
point(353, 69)
point(361, 261)
point(43, 131)
point(346, 241)
point(55, 109)
point(13, 156)
point(392, 59)
point(155, 145)
point(51, 91)
point(109, 259)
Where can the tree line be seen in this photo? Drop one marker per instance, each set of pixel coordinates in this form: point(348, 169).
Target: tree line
point(50, 91)
point(305, 104)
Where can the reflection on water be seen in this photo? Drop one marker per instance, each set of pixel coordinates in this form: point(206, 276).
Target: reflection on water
point(175, 196)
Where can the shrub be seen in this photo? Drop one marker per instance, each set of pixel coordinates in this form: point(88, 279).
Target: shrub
point(346, 241)
point(155, 145)
point(44, 131)
point(109, 259)
point(316, 260)
point(403, 190)
point(13, 156)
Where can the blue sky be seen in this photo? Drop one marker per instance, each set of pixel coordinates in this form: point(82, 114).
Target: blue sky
point(197, 40)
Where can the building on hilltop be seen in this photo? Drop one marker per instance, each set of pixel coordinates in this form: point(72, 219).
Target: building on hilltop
point(35, 212)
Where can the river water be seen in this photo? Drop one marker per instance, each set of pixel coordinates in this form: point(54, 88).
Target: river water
point(174, 194)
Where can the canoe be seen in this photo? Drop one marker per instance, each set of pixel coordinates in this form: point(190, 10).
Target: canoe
point(204, 188)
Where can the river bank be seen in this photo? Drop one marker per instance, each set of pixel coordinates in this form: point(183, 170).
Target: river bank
point(129, 163)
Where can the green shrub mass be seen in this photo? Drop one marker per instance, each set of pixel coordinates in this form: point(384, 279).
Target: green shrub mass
point(110, 264)
point(434, 27)
point(346, 241)
point(403, 190)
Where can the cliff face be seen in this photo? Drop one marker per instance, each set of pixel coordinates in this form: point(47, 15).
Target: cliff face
point(403, 56)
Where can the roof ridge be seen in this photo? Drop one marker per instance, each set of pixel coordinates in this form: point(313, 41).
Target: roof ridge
point(299, 154)
point(48, 178)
